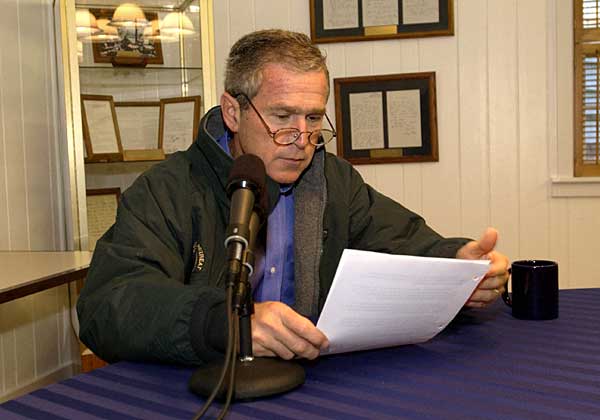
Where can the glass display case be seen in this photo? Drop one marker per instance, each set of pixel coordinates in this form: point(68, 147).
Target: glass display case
point(136, 75)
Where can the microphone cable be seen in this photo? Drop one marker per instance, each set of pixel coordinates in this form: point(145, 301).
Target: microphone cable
point(231, 386)
point(230, 354)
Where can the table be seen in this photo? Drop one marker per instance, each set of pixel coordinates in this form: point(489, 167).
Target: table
point(485, 365)
point(23, 273)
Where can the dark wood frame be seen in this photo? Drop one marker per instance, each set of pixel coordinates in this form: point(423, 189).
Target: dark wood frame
point(164, 104)
point(142, 154)
point(318, 34)
point(100, 157)
point(424, 82)
point(139, 60)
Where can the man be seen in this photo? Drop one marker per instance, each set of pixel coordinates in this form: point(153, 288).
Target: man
point(155, 287)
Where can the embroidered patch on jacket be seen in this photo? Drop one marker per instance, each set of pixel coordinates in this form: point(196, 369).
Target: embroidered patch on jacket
point(198, 257)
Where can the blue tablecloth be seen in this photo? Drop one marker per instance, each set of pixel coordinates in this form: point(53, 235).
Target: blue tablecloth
point(485, 365)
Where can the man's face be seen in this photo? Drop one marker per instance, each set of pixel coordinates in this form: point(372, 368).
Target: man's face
point(286, 99)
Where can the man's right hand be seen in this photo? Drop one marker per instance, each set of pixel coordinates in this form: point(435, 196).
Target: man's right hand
point(277, 330)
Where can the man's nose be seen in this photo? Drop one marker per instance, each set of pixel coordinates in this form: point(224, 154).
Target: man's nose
point(302, 139)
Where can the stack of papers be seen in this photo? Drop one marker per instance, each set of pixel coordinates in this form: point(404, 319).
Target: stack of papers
point(381, 300)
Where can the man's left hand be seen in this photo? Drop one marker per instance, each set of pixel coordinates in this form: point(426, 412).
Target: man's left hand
point(494, 282)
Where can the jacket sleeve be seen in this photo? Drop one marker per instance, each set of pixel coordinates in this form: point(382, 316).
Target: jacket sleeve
point(378, 223)
point(135, 305)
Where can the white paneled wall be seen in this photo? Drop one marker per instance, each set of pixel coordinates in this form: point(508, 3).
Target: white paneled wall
point(504, 98)
point(36, 341)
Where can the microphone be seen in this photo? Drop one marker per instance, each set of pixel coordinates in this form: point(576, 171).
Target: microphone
point(253, 195)
point(246, 188)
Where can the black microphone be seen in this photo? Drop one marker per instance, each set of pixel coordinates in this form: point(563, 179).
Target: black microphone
point(246, 188)
point(253, 195)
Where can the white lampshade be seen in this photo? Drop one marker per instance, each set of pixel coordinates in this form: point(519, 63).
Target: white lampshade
point(175, 24)
point(130, 15)
point(108, 33)
point(152, 32)
point(85, 23)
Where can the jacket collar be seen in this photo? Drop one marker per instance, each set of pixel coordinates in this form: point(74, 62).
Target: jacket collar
point(211, 128)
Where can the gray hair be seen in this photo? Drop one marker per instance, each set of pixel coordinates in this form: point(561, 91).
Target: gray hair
point(251, 53)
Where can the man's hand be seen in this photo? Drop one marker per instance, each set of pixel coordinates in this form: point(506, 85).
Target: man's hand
point(494, 282)
point(277, 330)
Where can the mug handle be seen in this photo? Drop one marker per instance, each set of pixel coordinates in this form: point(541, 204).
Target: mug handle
point(505, 295)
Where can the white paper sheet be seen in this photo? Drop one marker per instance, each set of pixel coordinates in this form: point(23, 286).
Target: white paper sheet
point(381, 300)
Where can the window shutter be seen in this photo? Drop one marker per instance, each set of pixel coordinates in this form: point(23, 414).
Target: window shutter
point(587, 87)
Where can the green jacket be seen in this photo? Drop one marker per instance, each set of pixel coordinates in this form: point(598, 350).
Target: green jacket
point(155, 288)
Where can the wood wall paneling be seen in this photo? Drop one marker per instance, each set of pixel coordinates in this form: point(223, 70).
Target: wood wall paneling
point(533, 150)
point(474, 170)
point(441, 180)
point(35, 117)
point(299, 16)
point(4, 212)
point(503, 124)
point(269, 14)
point(558, 230)
point(584, 230)
point(241, 18)
point(12, 83)
point(21, 318)
point(46, 331)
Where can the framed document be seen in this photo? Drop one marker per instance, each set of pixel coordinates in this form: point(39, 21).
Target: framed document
point(361, 20)
point(101, 212)
point(383, 119)
point(138, 126)
point(179, 119)
point(100, 129)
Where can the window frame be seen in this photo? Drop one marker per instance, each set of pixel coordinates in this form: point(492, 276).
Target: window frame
point(583, 46)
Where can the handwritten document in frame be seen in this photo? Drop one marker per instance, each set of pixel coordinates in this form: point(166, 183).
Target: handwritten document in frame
point(100, 129)
point(139, 126)
point(179, 119)
point(366, 120)
point(390, 118)
point(340, 14)
point(101, 212)
point(354, 20)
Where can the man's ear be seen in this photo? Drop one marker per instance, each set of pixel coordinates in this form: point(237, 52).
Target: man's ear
point(230, 109)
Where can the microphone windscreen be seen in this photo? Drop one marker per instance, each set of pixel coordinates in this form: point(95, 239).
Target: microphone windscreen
point(248, 168)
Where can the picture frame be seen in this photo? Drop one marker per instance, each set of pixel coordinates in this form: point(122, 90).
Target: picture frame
point(363, 20)
point(132, 48)
point(139, 129)
point(387, 119)
point(101, 134)
point(179, 120)
point(102, 207)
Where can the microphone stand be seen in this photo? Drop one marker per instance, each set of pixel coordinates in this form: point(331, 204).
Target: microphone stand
point(254, 377)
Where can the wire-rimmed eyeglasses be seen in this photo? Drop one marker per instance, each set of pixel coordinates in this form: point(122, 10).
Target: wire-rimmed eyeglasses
point(287, 136)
